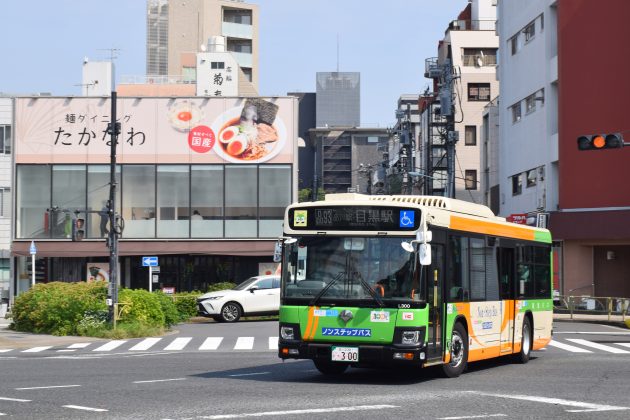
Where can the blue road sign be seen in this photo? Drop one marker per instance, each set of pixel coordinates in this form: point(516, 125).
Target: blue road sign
point(149, 261)
point(32, 249)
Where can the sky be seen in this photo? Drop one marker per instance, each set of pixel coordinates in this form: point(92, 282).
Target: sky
point(44, 43)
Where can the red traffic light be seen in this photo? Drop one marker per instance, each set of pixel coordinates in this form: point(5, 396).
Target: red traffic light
point(600, 141)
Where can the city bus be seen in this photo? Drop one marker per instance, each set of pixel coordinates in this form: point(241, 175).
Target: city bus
point(418, 281)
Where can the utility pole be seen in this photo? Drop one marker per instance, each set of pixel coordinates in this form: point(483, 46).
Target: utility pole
point(447, 108)
point(114, 130)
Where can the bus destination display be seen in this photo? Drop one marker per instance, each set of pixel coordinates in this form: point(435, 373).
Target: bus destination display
point(376, 218)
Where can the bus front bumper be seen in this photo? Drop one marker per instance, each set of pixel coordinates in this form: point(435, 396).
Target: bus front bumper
point(368, 353)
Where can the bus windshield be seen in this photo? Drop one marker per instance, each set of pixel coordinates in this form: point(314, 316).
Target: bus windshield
point(363, 269)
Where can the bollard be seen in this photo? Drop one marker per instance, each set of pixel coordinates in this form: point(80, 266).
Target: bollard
point(571, 307)
point(609, 307)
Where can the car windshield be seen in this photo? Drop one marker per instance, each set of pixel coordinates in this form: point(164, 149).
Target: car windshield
point(370, 269)
point(246, 284)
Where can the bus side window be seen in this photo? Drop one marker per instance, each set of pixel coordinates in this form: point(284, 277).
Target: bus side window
point(506, 265)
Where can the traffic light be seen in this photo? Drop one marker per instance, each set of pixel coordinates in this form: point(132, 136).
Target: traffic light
point(78, 229)
point(600, 141)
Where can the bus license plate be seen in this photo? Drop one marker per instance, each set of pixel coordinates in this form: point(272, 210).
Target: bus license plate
point(345, 354)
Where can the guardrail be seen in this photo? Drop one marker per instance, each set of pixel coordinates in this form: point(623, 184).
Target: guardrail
point(593, 305)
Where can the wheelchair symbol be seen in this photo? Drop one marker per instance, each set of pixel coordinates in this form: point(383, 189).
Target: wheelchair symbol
point(405, 219)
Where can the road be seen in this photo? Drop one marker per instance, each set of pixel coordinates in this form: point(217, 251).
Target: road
point(190, 381)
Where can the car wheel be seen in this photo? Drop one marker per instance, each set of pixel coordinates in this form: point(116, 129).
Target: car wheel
point(526, 342)
point(459, 353)
point(231, 312)
point(330, 368)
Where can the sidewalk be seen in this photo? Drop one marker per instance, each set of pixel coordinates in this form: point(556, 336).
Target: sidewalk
point(18, 340)
point(616, 320)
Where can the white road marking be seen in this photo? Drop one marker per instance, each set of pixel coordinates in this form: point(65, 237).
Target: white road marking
point(36, 349)
point(273, 343)
point(306, 411)
point(14, 399)
point(211, 343)
point(111, 345)
point(159, 380)
point(557, 401)
point(79, 345)
point(145, 344)
point(244, 343)
point(47, 387)
point(5, 350)
point(598, 346)
point(249, 374)
point(178, 344)
point(66, 350)
point(480, 416)
point(623, 344)
point(592, 332)
point(567, 347)
point(80, 407)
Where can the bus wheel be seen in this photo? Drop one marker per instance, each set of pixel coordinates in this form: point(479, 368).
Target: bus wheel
point(459, 353)
point(330, 368)
point(526, 342)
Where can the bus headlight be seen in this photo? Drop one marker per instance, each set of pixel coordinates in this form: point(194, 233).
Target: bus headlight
point(410, 338)
point(289, 332)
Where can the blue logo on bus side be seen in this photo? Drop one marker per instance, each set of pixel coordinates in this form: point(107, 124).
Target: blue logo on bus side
point(406, 219)
point(347, 332)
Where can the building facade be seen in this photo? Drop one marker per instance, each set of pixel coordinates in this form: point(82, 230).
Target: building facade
point(543, 112)
point(338, 99)
point(202, 184)
point(6, 130)
point(470, 46)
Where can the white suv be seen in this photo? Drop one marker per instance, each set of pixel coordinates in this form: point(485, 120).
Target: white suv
point(259, 295)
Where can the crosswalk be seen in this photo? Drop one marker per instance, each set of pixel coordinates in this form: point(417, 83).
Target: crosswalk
point(267, 344)
point(166, 344)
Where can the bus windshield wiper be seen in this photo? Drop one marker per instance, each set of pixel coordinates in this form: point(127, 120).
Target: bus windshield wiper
point(367, 287)
point(325, 289)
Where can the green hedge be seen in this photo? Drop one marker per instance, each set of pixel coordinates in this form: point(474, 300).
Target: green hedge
point(57, 308)
point(221, 286)
point(186, 304)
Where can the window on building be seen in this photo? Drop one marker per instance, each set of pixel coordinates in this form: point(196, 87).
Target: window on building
point(138, 201)
point(217, 65)
point(516, 112)
point(274, 194)
point(514, 44)
point(471, 179)
point(479, 57)
point(5, 202)
point(517, 185)
point(531, 178)
point(241, 201)
point(479, 92)
point(248, 73)
point(542, 22)
point(530, 104)
point(189, 74)
point(471, 135)
point(206, 201)
point(530, 31)
point(243, 17)
point(32, 201)
point(239, 46)
point(173, 200)
point(5, 139)
point(68, 194)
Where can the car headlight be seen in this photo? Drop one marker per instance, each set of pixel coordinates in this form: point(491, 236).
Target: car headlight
point(214, 297)
point(287, 333)
point(410, 338)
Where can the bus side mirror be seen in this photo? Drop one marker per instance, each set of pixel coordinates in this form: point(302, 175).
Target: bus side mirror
point(424, 254)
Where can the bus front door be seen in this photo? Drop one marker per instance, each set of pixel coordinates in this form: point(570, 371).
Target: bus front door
point(434, 277)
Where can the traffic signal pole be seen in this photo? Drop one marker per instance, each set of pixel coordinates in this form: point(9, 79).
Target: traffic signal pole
point(111, 205)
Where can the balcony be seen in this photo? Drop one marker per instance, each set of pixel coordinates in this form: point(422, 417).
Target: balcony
point(243, 59)
point(237, 30)
point(472, 25)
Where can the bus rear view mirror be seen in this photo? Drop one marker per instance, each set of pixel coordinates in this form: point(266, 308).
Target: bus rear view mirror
point(407, 246)
point(424, 254)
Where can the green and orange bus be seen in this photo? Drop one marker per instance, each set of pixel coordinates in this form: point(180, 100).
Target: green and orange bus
point(410, 280)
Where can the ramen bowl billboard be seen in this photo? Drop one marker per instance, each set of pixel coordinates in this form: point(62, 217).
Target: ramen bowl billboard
point(156, 130)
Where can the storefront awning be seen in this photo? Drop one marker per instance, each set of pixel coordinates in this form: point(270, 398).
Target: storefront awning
point(590, 225)
point(127, 248)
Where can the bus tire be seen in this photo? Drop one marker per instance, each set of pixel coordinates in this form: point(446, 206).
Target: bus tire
point(459, 352)
point(330, 368)
point(526, 342)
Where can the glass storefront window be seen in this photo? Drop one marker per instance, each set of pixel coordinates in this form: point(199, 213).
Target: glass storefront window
point(68, 195)
point(241, 201)
point(173, 201)
point(206, 201)
point(274, 194)
point(32, 200)
point(138, 201)
point(97, 196)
